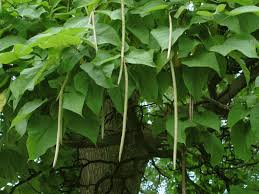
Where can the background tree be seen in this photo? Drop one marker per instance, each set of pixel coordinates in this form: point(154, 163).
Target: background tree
point(76, 77)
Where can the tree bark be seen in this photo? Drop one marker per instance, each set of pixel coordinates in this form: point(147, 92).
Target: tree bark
point(102, 173)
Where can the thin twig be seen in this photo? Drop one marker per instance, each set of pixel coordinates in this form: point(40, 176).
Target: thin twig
point(125, 111)
point(59, 131)
point(123, 31)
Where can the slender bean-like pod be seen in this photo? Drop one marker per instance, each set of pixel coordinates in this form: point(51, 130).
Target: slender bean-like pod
point(60, 120)
point(191, 108)
point(125, 111)
point(123, 31)
point(175, 114)
point(94, 31)
point(103, 122)
point(170, 37)
point(183, 171)
point(174, 92)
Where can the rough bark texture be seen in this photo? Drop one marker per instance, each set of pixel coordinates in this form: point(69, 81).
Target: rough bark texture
point(102, 172)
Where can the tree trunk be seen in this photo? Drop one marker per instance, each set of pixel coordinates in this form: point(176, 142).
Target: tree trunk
point(102, 173)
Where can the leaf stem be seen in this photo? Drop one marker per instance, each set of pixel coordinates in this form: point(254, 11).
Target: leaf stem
point(123, 31)
point(125, 111)
point(59, 131)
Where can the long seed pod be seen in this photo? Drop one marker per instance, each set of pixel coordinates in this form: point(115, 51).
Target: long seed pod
point(90, 18)
point(174, 91)
point(94, 30)
point(183, 171)
point(125, 111)
point(59, 130)
point(175, 114)
point(170, 37)
point(103, 121)
point(123, 31)
point(191, 108)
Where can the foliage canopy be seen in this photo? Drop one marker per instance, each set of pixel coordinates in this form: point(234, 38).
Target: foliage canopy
point(71, 49)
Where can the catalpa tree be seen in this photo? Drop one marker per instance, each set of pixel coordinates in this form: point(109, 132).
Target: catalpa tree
point(129, 96)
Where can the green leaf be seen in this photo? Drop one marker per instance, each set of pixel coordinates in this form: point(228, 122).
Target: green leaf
point(78, 22)
point(114, 15)
point(161, 34)
point(74, 101)
point(12, 164)
point(58, 37)
point(246, 44)
point(236, 113)
point(220, 8)
point(249, 22)
point(245, 9)
point(140, 56)
point(146, 82)
point(204, 13)
point(207, 119)
point(250, 100)
point(201, 60)
point(30, 11)
point(32, 76)
point(138, 31)
point(117, 94)
point(20, 121)
point(69, 59)
point(149, 7)
point(161, 60)
point(99, 74)
point(182, 125)
point(214, 146)
point(84, 3)
point(42, 131)
point(241, 139)
point(94, 99)
point(195, 79)
point(186, 46)
point(234, 189)
point(9, 41)
point(88, 126)
point(81, 82)
point(3, 99)
point(232, 22)
point(242, 64)
point(257, 82)
point(18, 51)
point(254, 119)
point(106, 35)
